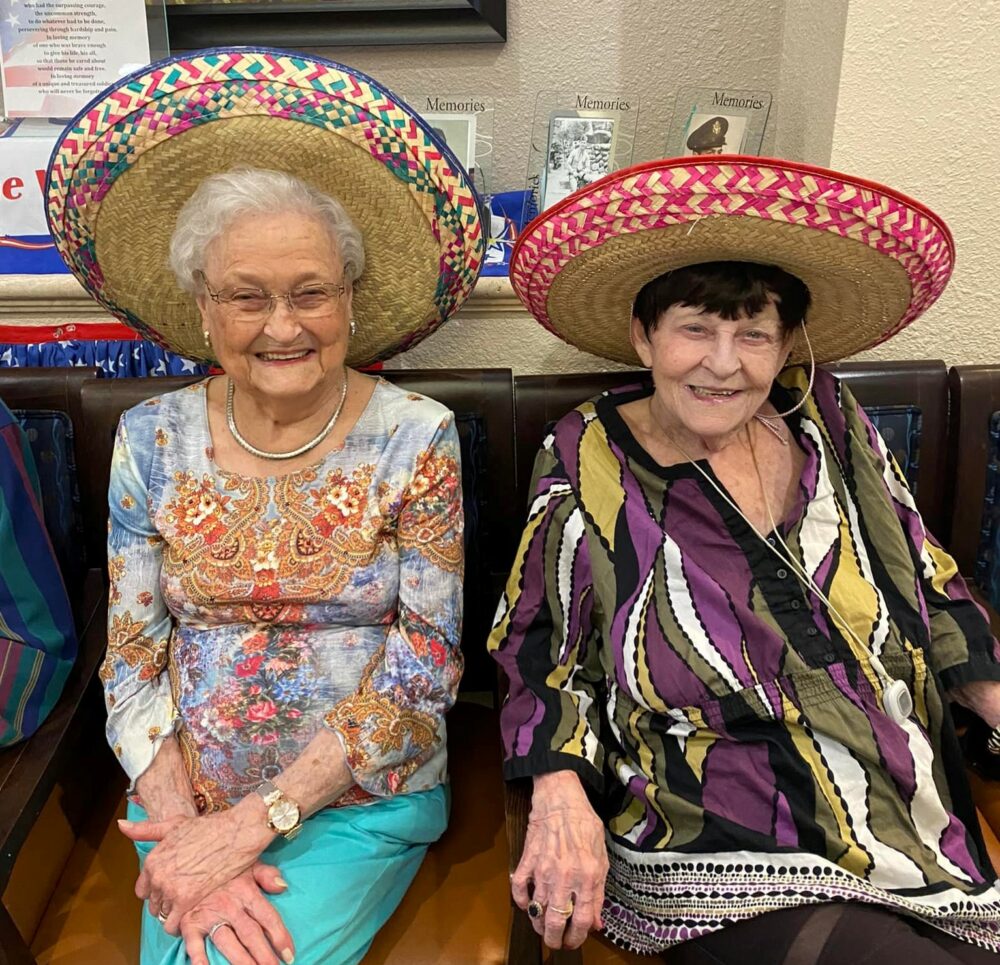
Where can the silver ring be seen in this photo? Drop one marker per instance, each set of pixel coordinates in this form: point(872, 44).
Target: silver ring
point(162, 916)
point(215, 928)
point(535, 909)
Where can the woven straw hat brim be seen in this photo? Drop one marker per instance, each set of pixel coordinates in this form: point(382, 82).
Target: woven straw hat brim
point(873, 259)
point(130, 160)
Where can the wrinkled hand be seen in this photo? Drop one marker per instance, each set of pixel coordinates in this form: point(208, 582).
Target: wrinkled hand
point(194, 857)
point(254, 933)
point(565, 861)
point(982, 697)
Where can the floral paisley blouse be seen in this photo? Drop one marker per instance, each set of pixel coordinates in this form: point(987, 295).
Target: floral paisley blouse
point(246, 613)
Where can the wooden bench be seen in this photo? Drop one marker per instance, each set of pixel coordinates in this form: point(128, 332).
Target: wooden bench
point(458, 909)
point(30, 772)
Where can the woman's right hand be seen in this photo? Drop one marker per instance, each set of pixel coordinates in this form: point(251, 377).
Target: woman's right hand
point(253, 933)
point(564, 863)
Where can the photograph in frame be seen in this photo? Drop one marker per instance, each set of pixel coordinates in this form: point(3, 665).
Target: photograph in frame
point(716, 120)
point(577, 137)
point(458, 131)
point(579, 152)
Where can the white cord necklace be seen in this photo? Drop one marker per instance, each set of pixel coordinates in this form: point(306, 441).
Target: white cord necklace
point(896, 699)
point(262, 453)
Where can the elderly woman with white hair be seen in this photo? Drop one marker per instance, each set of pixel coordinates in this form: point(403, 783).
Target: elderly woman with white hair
point(285, 545)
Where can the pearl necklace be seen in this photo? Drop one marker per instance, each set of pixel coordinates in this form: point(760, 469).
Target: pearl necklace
point(263, 454)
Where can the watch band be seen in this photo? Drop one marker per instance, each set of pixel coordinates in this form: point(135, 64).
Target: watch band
point(269, 792)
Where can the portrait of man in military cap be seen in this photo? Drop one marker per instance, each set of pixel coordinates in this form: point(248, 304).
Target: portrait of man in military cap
point(714, 134)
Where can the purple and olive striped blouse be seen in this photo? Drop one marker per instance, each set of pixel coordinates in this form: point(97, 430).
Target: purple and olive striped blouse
point(729, 730)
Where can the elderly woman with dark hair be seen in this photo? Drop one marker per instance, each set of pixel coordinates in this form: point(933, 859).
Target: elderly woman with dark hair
point(285, 545)
point(730, 640)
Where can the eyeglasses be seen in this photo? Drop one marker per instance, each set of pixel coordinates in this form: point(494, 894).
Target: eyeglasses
point(254, 304)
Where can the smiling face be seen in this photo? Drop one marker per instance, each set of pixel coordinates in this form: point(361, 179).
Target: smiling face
point(711, 374)
point(285, 354)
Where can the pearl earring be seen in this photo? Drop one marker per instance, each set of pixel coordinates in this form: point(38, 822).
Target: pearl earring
point(205, 336)
point(354, 326)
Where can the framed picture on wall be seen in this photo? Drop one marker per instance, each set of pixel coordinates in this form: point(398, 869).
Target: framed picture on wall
point(465, 123)
point(714, 134)
point(458, 131)
point(334, 23)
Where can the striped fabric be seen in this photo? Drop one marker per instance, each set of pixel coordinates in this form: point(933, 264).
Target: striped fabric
point(37, 639)
point(729, 730)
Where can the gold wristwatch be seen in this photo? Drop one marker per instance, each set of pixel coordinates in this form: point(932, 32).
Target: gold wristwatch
point(283, 815)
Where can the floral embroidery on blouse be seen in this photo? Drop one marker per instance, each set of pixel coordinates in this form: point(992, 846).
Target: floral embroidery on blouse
point(330, 596)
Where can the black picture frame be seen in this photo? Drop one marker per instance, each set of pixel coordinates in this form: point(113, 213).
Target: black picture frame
point(336, 23)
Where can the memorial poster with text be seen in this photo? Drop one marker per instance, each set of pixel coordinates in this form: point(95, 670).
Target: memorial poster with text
point(56, 55)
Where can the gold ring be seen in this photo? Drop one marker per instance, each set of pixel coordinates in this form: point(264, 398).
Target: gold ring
point(565, 912)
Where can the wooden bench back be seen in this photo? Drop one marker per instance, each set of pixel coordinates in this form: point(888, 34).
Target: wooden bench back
point(58, 389)
point(925, 386)
point(975, 396)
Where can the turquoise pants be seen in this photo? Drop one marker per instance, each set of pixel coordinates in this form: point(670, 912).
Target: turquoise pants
point(347, 871)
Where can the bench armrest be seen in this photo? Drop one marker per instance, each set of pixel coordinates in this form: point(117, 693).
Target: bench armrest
point(29, 770)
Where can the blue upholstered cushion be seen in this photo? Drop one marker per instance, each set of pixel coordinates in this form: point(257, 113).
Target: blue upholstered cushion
point(987, 573)
point(50, 435)
point(900, 426)
point(472, 445)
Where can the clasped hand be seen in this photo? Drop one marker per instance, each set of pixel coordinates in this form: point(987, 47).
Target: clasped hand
point(193, 857)
point(240, 922)
point(564, 863)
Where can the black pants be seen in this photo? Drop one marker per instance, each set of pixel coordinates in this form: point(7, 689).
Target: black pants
point(835, 934)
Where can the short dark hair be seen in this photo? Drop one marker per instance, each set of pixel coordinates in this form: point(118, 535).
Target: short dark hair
point(732, 289)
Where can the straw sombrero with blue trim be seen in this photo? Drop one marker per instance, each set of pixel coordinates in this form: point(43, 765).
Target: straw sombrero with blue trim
point(128, 162)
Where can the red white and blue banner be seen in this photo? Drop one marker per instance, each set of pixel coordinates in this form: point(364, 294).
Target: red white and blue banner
point(25, 245)
point(27, 249)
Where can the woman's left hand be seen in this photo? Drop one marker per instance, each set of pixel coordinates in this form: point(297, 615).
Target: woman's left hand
point(241, 923)
point(194, 857)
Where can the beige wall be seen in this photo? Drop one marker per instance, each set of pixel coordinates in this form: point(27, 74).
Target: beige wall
point(811, 48)
point(896, 90)
point(649, 47)
point(918, 92)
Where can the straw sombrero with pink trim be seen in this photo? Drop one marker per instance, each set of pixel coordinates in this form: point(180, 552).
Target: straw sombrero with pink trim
point(873, 259)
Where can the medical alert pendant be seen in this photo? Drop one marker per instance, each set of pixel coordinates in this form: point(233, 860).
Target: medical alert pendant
point(897, 701)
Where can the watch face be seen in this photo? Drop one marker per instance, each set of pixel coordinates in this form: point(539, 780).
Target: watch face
point(284, 815)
